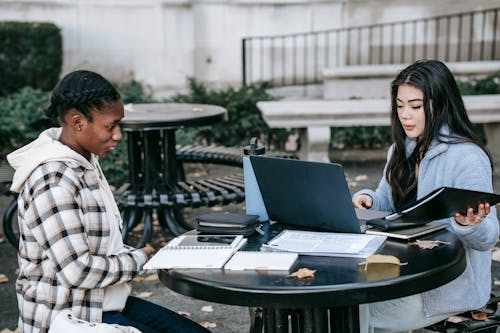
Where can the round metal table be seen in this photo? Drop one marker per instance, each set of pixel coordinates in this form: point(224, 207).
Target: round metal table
point(153, 167)
point(328, 302)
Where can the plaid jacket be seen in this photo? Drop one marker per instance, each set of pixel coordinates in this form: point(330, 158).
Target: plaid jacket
point(62, 251)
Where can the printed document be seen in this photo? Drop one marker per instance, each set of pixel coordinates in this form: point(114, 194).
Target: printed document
point(325, 243)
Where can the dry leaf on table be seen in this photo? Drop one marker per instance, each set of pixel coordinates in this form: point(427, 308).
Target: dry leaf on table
point(208, 324)
point(184, 313)
point(303, 273)
point(381, 259)
point(428, 244)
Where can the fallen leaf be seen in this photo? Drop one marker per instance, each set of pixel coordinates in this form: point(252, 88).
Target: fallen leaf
point(361, 177)
point(381, 259)
point(151, 277)
point(208, 324)
point(139, 279)
point(303, 273)
point(207, 308)
point(184, 313)
point(3, 278)
point(479, 315)
point(144, 294)
point(428, 244)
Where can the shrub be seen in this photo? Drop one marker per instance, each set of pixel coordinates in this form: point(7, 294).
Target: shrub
point(22, 118)
point(487, 85)
point(244, 118)
point(30, 55)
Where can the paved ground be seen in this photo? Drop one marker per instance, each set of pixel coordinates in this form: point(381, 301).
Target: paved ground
point(227, 319)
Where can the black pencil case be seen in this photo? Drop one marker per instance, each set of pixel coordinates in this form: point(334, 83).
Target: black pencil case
point(227, 223)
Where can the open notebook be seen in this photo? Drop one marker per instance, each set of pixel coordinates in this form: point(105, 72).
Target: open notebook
point(196, 251)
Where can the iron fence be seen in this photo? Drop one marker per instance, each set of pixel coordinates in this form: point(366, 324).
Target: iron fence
point(299, 59)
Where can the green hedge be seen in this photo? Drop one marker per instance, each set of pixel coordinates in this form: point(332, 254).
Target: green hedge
point(22, 118)
point(30, 55)
point(244, 118)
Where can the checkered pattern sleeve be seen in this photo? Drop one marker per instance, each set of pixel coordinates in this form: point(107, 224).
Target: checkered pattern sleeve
point(56, 217)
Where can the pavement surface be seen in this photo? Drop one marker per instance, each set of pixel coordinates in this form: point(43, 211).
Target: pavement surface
point(218, 317)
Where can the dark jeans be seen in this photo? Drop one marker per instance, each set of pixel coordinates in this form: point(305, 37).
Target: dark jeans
point(151, 318)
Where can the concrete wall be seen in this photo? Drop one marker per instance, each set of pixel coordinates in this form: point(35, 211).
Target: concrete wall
point(161, 42)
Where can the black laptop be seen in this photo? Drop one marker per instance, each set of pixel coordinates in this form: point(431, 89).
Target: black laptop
point(303, 193)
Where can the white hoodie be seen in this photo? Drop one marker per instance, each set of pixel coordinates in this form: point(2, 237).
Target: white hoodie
point(46, 148)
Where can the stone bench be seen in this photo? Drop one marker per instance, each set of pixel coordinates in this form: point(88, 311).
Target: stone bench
point(314, 118)
point(373, 81)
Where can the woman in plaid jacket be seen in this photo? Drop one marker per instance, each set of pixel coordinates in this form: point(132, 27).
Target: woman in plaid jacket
point(71, 253)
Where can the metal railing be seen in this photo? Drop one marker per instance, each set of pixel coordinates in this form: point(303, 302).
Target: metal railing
point(299, 59)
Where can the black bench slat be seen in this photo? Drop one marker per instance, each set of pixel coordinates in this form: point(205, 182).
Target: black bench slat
point(194, 195)
point(232, 156)
point(239, 193)
point(217, 189)
point(205, 193)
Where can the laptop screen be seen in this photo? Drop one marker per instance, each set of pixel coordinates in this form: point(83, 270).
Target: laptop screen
point(303, 193)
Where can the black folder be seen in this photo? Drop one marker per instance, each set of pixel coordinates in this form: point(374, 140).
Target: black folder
point(440, 203)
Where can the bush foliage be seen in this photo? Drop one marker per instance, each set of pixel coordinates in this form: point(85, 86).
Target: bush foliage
point(244, 118)
point(30, 55)
point(22, 119)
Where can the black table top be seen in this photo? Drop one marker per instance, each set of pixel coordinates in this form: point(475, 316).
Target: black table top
point(338, 281)
point(155, 116)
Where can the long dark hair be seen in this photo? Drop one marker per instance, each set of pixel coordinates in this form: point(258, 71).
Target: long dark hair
point(439, 87)
point(82, 90)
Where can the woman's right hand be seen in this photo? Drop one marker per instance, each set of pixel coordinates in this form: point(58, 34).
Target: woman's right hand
point(148, 250)
point(362, 201)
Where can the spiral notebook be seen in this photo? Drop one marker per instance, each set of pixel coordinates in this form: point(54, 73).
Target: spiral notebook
point(196, 251)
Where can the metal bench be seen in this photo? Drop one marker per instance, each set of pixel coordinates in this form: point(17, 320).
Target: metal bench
point(169, 205)
point(8, 220)
point(466, 323)
point(315, 117)
point(218, 154)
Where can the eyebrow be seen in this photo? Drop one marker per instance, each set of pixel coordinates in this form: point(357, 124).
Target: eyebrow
point(411, 100)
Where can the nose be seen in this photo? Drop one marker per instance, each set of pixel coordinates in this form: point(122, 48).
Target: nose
point(406, 112)
point(117, 134)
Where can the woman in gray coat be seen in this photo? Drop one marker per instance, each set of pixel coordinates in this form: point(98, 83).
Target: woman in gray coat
point(434, 146)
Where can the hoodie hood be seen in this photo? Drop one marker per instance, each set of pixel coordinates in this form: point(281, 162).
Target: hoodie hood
point(45, 148)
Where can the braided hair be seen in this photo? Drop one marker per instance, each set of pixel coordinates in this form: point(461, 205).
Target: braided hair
point(82, 90)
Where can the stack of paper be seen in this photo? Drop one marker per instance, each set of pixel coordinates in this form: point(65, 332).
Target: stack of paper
point(325, 243)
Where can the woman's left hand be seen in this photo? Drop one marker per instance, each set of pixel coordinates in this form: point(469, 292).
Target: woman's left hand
point(470, 218)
